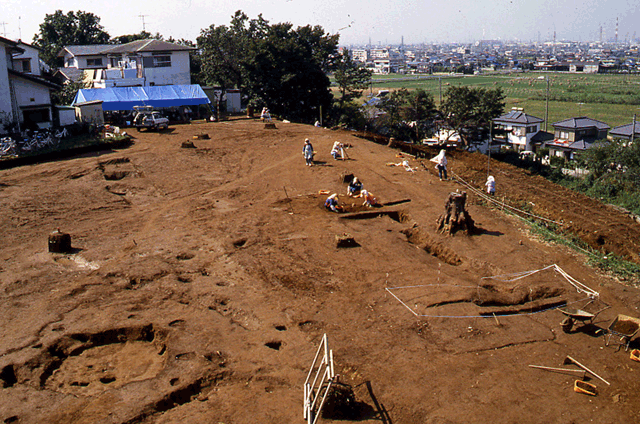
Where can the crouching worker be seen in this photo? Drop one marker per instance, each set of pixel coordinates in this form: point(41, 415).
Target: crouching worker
point(354, 187)
point(332, 203)
point(369, 199)
point(337, 151)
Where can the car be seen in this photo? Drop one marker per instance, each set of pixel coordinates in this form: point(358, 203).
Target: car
point(147, 117)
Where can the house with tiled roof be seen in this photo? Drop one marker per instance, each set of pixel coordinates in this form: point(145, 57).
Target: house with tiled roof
point(624, 132)
point(138, 63)
point(520, 128)
point(575, 135)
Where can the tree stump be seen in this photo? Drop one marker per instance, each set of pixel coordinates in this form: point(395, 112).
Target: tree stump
point(455, 216)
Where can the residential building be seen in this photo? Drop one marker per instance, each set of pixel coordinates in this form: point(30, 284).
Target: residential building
point(520, 127)
point(585, 67)
point(360, 55)
point(28, 61)
point(574, 135)
point(138, 63)
point(25, 98)
point(623, 132)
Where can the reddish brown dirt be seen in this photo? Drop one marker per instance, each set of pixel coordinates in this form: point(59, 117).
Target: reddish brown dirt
point(203, 280)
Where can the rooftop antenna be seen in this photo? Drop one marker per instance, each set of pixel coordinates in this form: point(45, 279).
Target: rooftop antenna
point(19, 28)
point(144, 27)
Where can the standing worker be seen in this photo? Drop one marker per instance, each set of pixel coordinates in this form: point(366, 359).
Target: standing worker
point(491, 185)
point(307, 152)
point(441, 164)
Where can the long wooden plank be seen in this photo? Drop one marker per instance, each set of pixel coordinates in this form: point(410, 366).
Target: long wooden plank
point(577, 373)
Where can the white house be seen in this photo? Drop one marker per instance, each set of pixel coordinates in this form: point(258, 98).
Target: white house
point(522, 128)
point(138, 63)
point(27, 61)
point(25, 98)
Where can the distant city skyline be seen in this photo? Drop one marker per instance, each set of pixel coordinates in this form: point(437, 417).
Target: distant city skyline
point(357, 21)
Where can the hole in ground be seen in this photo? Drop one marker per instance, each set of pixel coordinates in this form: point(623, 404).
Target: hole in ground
point(275, 345)
point(281, 327)
point(240, 242)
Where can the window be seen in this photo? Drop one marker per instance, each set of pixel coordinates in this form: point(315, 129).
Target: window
point(26, 66)
point(94, 61)
point(531, 130)
point(163, 61)
point(564, 135)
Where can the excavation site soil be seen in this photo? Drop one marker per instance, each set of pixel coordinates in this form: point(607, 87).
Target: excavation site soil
point(202, 280)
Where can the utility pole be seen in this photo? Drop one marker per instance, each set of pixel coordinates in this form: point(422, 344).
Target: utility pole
point(489, 149)
point(440, 84)
point(546, 109)
point(633, 129)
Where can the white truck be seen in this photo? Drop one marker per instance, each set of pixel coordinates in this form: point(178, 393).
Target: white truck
point(146, 117)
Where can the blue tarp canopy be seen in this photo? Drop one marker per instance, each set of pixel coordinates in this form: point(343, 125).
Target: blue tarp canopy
point(125, 98)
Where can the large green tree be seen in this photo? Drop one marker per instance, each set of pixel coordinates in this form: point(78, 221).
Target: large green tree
point(275, 65)
point(74, 28)
point(351, 78)
point(614, 172)
point(408, 114)
point(470, 109)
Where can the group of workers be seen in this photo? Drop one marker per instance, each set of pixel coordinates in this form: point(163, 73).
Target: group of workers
point(355, 188)
point(337, 152)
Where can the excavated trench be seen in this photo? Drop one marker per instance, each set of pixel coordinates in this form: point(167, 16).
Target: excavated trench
point(89, 363)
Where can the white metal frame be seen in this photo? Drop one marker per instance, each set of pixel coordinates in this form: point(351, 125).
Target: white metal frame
point(323, 378)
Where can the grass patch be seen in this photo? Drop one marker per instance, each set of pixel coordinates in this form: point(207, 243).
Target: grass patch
point(611, 264)
point(609, 98)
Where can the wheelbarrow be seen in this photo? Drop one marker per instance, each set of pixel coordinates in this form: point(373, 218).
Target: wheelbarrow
point(574, 316)
point(624, 328)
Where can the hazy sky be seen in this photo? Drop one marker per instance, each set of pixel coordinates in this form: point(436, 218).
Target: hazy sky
point(384, 21)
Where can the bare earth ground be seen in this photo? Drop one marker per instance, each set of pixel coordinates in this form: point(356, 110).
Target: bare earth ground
point(203, 280)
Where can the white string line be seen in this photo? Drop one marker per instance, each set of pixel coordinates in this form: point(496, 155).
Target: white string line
point(504, 205)
point(580, 287)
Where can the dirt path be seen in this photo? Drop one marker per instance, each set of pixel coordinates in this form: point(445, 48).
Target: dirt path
point(203, 280)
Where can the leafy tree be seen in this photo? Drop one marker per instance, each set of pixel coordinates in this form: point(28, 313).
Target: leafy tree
point(142, 35)
point(468, 109)
point(409, 114)
point(67, 93)
point(351, 78)
point(276, 65)
point(74, 28)
point(614, 172)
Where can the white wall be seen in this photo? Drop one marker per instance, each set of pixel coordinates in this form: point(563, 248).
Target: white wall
point(5, 92)
point(29, 93)
point(176, 74)
point(29, 53)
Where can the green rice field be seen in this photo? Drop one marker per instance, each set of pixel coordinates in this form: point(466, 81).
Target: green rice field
point(609, 98)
